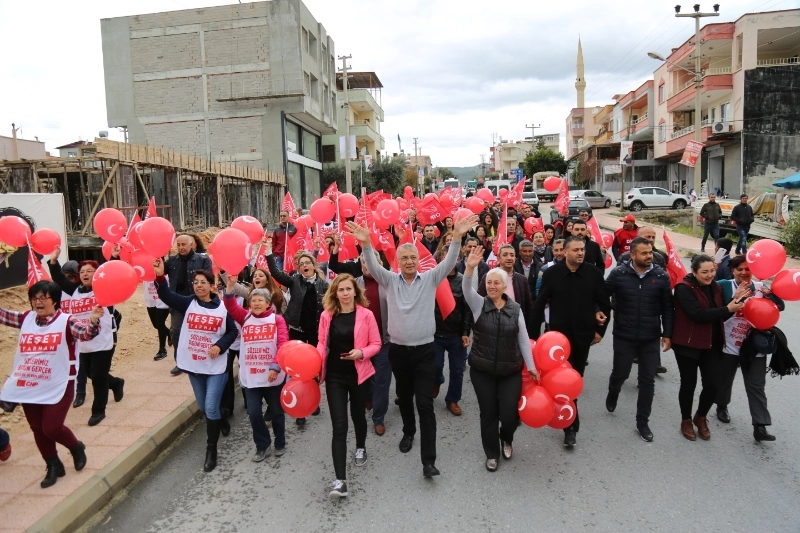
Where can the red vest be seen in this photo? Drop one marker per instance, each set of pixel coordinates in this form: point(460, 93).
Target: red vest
point(697, 335)
point(624, 238)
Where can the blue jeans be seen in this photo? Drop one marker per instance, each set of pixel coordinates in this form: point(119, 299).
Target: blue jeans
point(381, 383)
point(741, 246)
point(208, 392)
point(272, 395)
point(279, 262)
point(712, 229)
point(456, 353)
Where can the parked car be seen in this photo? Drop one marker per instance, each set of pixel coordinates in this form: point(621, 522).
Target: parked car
point(531, 198)
point(640, 198)
point(595, 199)
point(576, 205)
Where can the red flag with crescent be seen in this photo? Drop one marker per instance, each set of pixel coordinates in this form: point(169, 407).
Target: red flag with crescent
point(36, 272)
point(675, 267)
point(151, 209)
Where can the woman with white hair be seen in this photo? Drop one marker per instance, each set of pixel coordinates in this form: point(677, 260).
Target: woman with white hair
point(500, 347)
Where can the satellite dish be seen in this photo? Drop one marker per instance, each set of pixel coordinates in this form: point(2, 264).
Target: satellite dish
point(103, 135)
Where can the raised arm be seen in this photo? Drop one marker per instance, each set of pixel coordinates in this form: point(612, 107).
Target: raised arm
point(473, 299)
point(58, 275)
point(238, 289)
point(441, 270)
point(174, 300)
point(380, 274)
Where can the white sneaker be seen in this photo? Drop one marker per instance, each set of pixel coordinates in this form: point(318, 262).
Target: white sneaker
point(339, 489)
point(361, 456)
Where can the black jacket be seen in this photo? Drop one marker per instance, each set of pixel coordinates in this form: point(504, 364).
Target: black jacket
point(659, 258)
point(711, 212)
point(431, 246)
point(724, 269)
point(743, 215)
point(482, 268)
point(459, 322)
point(297, 289)
point(594, 255)
point(574, 298)
point(196, 262)
point(533, 273)
point(642, 305)
point(495, 349)
point(522, 295)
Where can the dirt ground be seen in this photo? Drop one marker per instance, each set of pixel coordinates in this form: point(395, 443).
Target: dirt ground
point(137, 339)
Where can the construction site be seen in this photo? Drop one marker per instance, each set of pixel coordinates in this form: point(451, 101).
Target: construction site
point(192, 192)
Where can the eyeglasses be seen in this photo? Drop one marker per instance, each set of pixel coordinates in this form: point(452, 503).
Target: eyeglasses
point(200, 282)
point(40, 298)
point(87, 272)
point(305, 263)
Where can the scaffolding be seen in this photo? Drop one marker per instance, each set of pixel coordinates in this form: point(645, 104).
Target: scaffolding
point(192, 192)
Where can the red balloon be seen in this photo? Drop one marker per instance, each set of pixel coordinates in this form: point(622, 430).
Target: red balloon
point(762, 313)
point(44, 241)
point(107, 248)
point(485, 195)
point(766, 258)
point(436, 232)
point(250, 226)
point(551, 350)
point(533, 224)
point(114, 282)
point(14, 231)
point(322, 210)
point(503, 193)
point(284, 349)
point(142, 263)
point(552, 183)
point(125, 250)
point(608, 238)
point(446, 200)
point(564, 413)
point(302, 362)
point(380, 222)
point(535, 407)
point(110, 224)
point(461, 214)
point(232, 250)
point(608, 260)
point(563, 381)
point(389, 211)
point(475, 204)
point(157, 235)
point(348, 206)
point(133, 236)
point(786, 285)
point(303, 223)
point(300, 398)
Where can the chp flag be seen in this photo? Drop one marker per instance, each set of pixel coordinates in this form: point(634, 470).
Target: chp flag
point(691, 153)
point(675, 267)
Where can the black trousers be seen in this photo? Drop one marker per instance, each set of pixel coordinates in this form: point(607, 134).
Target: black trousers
point(498, 397)
point(710, 364)
point(305, 336)
point(339, 388)
point(228, 397)
point(649, 359)
point(755, 380)
point(175, 323)
point(414, 369)
point(578, 355)
point(97, 366)
point(158, 318)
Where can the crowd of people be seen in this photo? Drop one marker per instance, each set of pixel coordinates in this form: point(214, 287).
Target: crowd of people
point(368, 323)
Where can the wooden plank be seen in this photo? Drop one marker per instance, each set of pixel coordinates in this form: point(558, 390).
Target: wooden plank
point(100, 198)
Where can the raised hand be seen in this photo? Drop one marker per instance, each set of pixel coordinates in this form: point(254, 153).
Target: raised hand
point(475, 257)
point(231, 283)
point(97, 313)
point(54, 256)
point(359, 232)
point(158, 267)
point(464, 225)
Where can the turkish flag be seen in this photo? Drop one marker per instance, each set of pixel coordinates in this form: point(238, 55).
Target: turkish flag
point(151, 209)
point(562, 200)
point(444, 294)
point(675, 267)
point(502, 232)
point(36, 272)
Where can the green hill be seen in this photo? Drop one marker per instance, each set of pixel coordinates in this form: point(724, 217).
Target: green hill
point(465, 174)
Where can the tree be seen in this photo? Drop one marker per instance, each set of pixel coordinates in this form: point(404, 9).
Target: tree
point(388, 174)
point(445, 173)
point(544, 161)
point(790, 235)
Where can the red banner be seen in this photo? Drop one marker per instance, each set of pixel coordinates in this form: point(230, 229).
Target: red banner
point(514, 196)
point(675, 267)
point(288, 205)
point(331, 191)
point(431, 211)
point(36, 272)
point(151, 209)
point(691, 153)
point(562, 200)
point(502, 233)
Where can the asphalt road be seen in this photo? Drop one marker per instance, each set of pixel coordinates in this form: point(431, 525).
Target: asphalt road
point(612, 481)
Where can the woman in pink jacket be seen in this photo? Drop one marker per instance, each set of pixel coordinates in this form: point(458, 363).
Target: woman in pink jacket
point(348, 338)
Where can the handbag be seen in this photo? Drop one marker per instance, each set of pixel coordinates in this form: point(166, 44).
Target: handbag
point(763, 341)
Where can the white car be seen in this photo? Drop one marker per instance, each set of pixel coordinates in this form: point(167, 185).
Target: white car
point(640, 198)
point(531, 198)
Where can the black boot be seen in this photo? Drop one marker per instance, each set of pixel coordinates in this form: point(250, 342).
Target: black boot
point(80, 397)
point(212, 433)
point(79, 455)
point(55, 470)
point(224, 426)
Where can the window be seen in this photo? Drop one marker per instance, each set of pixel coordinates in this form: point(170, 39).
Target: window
point(575, 143)
point(323, 55)
point(713, 115)
point(314, 88)
point(325, 99)
point(310, 145)
point(577, 123)
point(293, 137)
point(550, 138)
point(293, 180)
point(739, 51)
point(306, 84)
point(662, 131)
point(313, 183)
point(328, 153)
point(312, 45)
point(662, 192)
point(661, 93)
point(725, 111)
point(646, 191)
point(304, 39)
point(72, 154)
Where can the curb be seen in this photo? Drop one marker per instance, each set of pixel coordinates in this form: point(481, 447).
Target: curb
point(98, 491)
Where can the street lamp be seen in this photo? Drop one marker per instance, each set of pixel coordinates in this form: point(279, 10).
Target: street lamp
point(698, 79)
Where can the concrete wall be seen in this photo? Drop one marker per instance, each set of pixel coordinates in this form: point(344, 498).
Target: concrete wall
point(26, 149)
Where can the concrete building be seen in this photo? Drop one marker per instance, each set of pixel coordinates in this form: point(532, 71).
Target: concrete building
point(246, 83)
point(11, 149)
point(76, 149)
point(510, 154)
point(750, 75)
point(421, 162)
point(366, 116)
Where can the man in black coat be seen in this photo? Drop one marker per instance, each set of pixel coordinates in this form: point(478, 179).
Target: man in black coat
point(743, 215)
point(594, 254)
point(579, 304)
point(527, 265)
point(179, 268)
point(469, 244)
point(711, 213)
point(518, 288)
point(429, 239)
point(643, 316)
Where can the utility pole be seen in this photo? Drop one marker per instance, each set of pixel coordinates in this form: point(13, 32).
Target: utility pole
point(14, 130)
point(533, 130)
point(348, 178)
point(420, 181)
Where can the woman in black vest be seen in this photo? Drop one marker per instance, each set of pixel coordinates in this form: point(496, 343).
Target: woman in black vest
point(500, 347)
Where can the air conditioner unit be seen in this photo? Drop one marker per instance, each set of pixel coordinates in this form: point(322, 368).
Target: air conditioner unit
point(720, 127)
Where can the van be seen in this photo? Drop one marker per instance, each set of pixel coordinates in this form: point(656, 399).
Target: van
point(496, 185)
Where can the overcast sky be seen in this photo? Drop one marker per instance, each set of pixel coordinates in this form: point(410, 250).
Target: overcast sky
point(453, 72)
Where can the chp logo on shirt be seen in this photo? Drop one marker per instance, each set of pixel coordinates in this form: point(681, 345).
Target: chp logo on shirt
point(33, 343)
point(198, 322)
point(255, 333)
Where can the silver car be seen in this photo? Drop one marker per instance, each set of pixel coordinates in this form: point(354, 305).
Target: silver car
point(594, 198)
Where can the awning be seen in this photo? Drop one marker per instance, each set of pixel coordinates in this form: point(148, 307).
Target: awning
point(791, 182)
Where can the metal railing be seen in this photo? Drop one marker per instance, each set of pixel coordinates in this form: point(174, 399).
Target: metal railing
point(680, 133)
point(775, 62)
point(715, 71)
point(642, 118)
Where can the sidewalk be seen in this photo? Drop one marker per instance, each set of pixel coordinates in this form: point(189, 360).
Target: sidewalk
point(684, 244)
point(156, 408)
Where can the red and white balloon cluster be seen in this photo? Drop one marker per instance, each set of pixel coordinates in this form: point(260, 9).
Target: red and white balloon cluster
point(15, 232)
point(551, 402)
point(302, 363)
point(766, 258)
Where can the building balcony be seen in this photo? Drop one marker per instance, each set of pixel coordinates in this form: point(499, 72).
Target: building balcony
point(604, 115)
point(362, 100)
point(678, 139)
point(577, 132)
point(364, 132)
point(777, 62)
point(715, 85)
point(604, 137)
